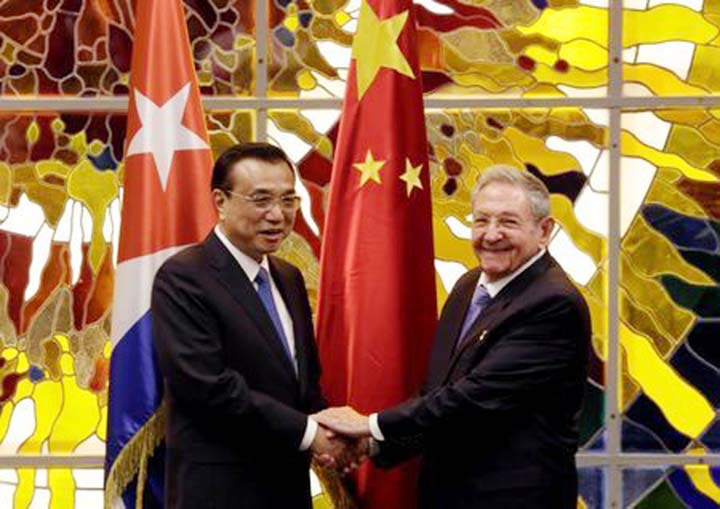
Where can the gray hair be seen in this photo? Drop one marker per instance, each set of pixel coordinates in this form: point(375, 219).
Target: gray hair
point(534, 188)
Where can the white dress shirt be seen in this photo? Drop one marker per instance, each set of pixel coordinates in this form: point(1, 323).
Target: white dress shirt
point(251, 269)
point(493, 288)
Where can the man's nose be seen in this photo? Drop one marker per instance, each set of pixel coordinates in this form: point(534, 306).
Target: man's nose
point(275, 212)
point(492, 232)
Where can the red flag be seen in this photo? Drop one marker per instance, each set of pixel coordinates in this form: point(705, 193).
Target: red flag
point(377, 301)
point(167, 205)
point(168, 158)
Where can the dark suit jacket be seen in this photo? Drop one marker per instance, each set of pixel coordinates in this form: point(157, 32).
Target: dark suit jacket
point(497, 421)
point(237, 410)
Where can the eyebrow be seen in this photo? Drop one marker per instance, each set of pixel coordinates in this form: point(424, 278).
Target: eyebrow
point(501, 214)
point(270, 193)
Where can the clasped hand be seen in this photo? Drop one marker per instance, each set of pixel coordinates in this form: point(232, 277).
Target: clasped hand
point(342, 440)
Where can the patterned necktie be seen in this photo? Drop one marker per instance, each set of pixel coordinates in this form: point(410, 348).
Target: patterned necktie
point(480, 300)
point(265, 292)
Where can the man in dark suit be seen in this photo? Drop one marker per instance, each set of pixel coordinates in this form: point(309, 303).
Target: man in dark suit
point(496, 423)
point(234, 338)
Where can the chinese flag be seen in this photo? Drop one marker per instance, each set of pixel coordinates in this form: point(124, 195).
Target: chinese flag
point(377, 301)
point(167, 206)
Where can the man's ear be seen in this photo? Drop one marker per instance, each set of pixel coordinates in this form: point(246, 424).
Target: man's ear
point(219, 199)
point(546, 227)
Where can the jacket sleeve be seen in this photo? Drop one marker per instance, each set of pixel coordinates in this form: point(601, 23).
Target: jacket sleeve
point(189, 349)
point(534, 360)
point(392, 453)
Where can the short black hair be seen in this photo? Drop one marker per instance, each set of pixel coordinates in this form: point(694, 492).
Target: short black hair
point(251, 150)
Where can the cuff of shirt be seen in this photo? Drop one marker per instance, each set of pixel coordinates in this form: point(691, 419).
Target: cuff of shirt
point(310, 430)
point(375, 428)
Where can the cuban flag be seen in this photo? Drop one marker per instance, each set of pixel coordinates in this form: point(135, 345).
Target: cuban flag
point(167, 205)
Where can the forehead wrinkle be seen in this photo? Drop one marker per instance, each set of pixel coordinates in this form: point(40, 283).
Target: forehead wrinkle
point(480, 211)
point(496, 207)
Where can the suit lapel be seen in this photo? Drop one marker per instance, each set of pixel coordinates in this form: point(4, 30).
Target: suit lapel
point(488, 320)
point(293, 301)
point(236, 282)
point(449, 329)
point(498, 310)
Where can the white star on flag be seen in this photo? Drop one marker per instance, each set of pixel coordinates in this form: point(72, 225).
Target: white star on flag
point(162, 132)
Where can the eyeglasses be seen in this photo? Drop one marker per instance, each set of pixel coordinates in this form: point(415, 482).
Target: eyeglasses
point(265, 203)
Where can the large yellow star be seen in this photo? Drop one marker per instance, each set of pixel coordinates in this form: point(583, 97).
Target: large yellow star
point(411, 176)
point(369, 169)
point(375, 46)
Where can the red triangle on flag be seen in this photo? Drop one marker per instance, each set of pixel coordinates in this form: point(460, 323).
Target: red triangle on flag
point(167, 200)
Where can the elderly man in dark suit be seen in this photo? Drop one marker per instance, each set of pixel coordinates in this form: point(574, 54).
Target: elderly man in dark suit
point(234, 337)
point(496, 423)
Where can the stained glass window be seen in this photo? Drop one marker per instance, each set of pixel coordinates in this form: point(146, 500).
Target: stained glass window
point(669, 281)
point(676, 487)
point(83, 48)
point(671, 47)
point(51, 487)
point(504, 48)
point(591, 494)
point(547, 85)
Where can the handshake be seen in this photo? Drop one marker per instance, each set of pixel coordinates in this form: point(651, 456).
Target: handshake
point(342, 441)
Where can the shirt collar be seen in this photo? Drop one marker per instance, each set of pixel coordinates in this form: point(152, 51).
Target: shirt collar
point(496, 286)
point(248, 264)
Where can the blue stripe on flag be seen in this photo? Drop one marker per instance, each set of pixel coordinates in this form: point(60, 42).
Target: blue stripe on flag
point(135, 393)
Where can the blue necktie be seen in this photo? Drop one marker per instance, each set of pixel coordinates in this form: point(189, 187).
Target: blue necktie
point(480, 300)
point(265, 292)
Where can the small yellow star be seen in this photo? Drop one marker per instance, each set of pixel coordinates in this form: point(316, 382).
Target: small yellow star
point(375, 46)
point(411, 176)
point(369, 169)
